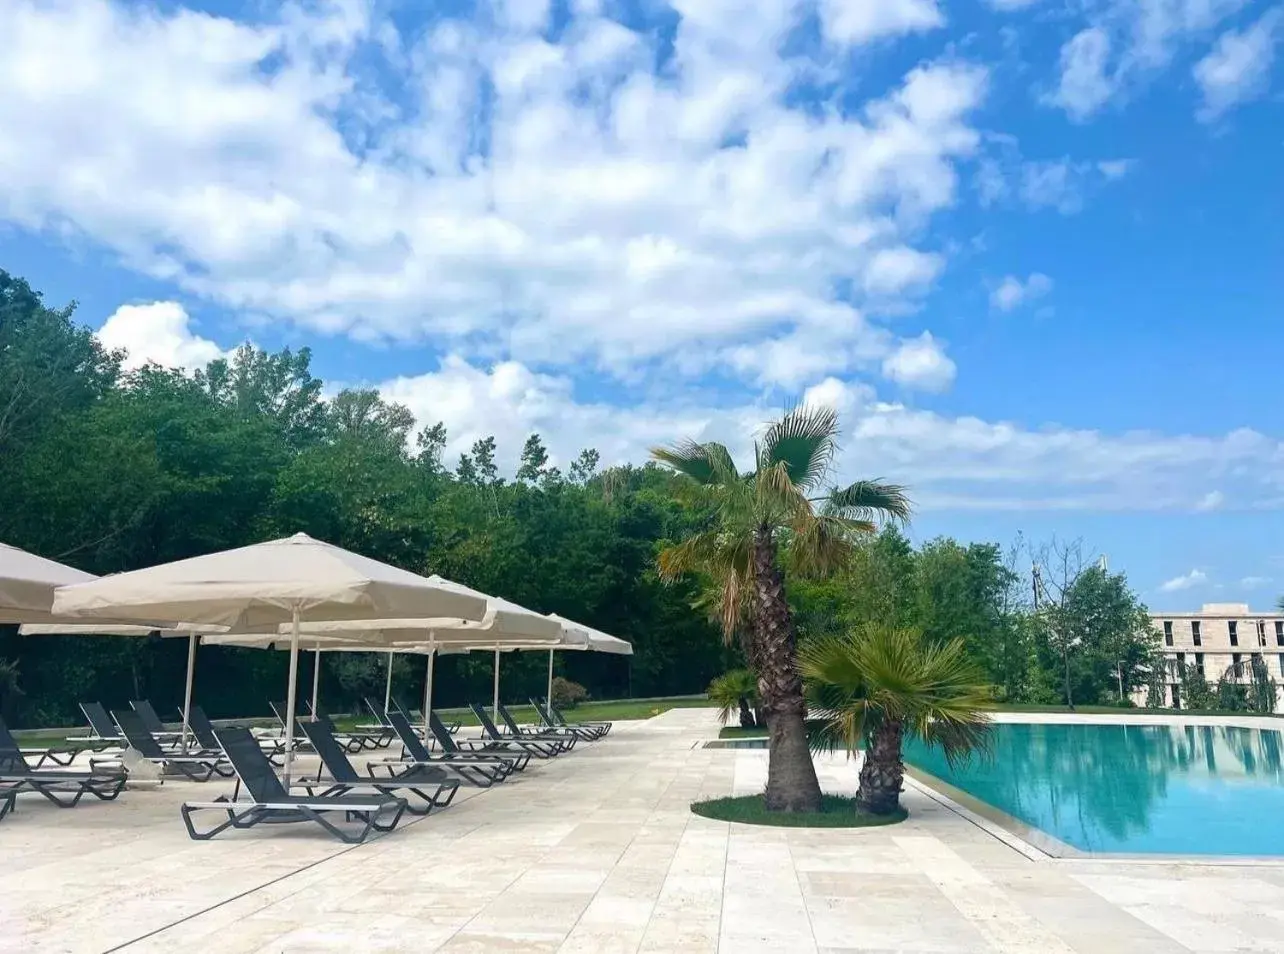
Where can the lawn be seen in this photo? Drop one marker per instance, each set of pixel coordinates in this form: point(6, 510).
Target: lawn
point(616, 710)
point(836, 812)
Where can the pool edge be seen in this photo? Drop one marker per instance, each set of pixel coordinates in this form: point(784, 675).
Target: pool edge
point(1014, 833)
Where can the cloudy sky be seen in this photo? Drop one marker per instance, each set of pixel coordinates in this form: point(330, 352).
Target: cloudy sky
point(1029, 248)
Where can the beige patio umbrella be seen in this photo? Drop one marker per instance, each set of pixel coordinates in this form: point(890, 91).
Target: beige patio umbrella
point(191, 632)
point(264, 585)
point(27, 584)
point(574, 636)
point(505, 623)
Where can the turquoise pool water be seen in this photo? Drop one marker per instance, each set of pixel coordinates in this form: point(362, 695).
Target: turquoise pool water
point(1184, 790)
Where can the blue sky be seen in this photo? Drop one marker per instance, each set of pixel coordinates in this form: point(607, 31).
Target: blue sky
point(1028, 248)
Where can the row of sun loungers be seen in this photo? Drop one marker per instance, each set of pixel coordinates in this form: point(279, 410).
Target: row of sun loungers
point(344, 802)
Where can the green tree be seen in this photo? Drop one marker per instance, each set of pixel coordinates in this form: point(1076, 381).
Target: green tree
point(534, 461)
point(584, 467)
point(872, 688)
point(1095, 632)
point(430, 448)
point(1195, 691)
point(756, 514)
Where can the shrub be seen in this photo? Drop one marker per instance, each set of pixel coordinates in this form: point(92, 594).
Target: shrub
point(567, 694)
point(735, 692)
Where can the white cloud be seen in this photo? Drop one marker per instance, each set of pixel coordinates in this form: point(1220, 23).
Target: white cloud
point(1012, 292)
point(1213, 500)
point(920, 363)
point(1084, 86)
point(1238, 67)
point(893, 271)
point(859, 21)
point(557, 202)
point(1125, 44)
point(956, 462)
point(160, 332)
point(1114, 169)
point(1184, 582)
point(1007, 6)
point(1254, 582)
point(1158, 27)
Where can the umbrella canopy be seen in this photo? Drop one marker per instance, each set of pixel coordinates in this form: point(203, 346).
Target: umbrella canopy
point(593, 640)
point(27, 584)
point(264, 585)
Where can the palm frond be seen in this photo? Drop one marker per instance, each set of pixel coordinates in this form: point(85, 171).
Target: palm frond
point(819, 545)
point(869, 500)
point(879, 671)
point(727, 690)
point(804, 440)
point(690, 555)
point(706, 464)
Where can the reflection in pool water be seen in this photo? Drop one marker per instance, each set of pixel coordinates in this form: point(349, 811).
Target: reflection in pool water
point(1147, 789)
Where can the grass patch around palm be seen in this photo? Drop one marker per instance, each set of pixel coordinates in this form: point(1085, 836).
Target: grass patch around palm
point(737, 732)
point(837, 811)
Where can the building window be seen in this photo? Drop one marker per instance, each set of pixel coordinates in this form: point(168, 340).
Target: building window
point(1194, 632)
point(1261, 632)
point(1233, 628)
point(1168, 632)
point(1279, 632)
point(1199, 662)
point(1181, 664)
point(1235, 657)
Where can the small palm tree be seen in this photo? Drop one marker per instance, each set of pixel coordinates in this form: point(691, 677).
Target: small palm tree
point(877, 685)
point(735, 691)
point(775, 517)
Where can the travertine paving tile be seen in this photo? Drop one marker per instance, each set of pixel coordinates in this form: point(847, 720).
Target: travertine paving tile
point(598, 853)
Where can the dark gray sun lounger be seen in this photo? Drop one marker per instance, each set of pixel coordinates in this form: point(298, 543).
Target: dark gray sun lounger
point(590, 731)
point(196, 766)
point(61, 755)
point(475, 768)
point(558, 734)
point(8, 795)
point(417, 718)
point(270, 803)
point(368, 737)
point(431, 786)
point(152, 722)
point(203, 731)
point(101, 728)
point(542, 747)
point(63, 787)
point(482, 748)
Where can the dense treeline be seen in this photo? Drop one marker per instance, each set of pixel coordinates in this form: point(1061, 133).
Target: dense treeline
point(111, 471)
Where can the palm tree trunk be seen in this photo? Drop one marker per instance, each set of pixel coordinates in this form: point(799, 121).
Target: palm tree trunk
point(882, 772)
point(792, 785)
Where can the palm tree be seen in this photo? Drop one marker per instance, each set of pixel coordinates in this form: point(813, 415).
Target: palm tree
point(877, 685)
point(761, 523)
point(735, 691)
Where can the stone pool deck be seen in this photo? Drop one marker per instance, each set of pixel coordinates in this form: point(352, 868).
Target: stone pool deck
point(597, 852)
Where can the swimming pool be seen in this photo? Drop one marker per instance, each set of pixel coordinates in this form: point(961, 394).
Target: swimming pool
point(1131, 789)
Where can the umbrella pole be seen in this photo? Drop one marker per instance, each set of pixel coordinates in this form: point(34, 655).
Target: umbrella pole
point(187, 693)
point(548, 699)
point(432, 656)
point(292, 697)
point(387, 689)
point(316, 679)
point(495, 704)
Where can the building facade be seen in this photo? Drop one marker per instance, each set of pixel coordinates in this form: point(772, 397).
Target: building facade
point(1218, 638)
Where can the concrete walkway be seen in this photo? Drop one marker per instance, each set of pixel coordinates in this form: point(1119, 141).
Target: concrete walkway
point(597, 852)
